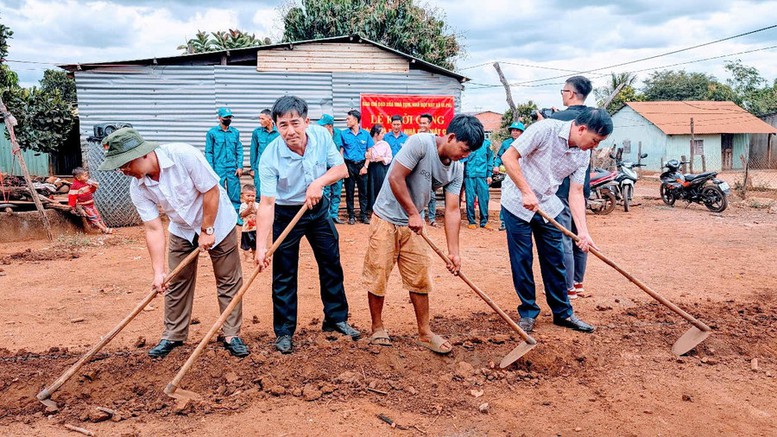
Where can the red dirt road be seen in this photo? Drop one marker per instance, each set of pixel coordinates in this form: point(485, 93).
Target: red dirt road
point(60, 297)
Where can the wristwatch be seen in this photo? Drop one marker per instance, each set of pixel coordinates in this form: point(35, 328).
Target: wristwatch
point(209, 230)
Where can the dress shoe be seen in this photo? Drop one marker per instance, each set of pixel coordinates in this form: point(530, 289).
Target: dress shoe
point(526, 323)
point(366, 220)
point(573, 322)
point(163, 348)
point(236, 347)
point(351, 221)
point(338, 220)
point(343, 328)
point(283, 344)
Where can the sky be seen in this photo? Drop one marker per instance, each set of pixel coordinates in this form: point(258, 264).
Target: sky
point(537, 43)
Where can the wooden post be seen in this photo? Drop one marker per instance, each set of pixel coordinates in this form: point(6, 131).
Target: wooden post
point(10, 122)
point(703, 163)
point(692, 145)
point(769, 151)
point(683, 159)
point(746, 163)
point(509, 93)
point(639, 157)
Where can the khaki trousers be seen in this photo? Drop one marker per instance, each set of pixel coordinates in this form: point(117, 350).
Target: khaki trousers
point(180, 296)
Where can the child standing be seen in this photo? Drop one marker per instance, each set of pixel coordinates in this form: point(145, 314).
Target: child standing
point(80, 198)
point(248, 208)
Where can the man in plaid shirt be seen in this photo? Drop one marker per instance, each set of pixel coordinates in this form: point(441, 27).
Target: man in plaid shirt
point(537, 162)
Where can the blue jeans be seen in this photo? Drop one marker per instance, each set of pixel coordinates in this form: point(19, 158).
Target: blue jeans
point(551, 253)
point(432, 208)
point(575, 260)
point(333, 192)
point(476, 188)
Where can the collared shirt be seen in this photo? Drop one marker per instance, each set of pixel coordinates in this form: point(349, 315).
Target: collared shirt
point(223, 149)
point(260, 138)
point(184, 178)
point(546, 159)
point(286, 175)
point(502, 149)
point(568, 114)
point(381, 152)
point(395, 142)
point(480, 163)
point(355, 145)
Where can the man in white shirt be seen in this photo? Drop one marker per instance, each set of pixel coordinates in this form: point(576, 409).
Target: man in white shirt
point(177, 179)
point(537, 162)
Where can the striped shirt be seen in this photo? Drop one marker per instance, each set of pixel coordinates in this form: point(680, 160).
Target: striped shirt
point(546, 159)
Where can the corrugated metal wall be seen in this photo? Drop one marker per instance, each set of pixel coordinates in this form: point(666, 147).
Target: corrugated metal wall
point(178, 103)
point(37, 163)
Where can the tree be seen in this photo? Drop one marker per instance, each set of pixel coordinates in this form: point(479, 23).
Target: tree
point(524, 116)
point(5, 35)
point(221, 40)
point(753, 91)
point(57, 81)
point(626, 94)
point(679, 86)
point(399, 24)
point(7, 77)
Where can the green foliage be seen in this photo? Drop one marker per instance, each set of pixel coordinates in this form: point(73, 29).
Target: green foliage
point(57, 81)
point(5, 35)
point(753, 91)
point(680, 86)
point(44, 119)
point(8, 78)
point(524, 111)
point(626, 94)
point(399, 24)
point(221, 40)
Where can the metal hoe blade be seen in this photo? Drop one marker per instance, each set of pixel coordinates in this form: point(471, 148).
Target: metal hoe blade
point(516, 353)
point(689, 340)
point(45, 398)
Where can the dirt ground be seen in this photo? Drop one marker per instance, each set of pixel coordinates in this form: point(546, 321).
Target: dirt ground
point(59, 298)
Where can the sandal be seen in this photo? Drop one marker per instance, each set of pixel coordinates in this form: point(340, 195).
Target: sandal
point(436, 344)
point(108, 231)
point(380, 338)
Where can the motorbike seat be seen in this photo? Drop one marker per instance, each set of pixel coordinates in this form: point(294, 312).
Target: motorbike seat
point(599, 174)
point(690, 177)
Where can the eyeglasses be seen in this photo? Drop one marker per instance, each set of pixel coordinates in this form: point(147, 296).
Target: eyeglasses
point(567, 91)
point(124, 168)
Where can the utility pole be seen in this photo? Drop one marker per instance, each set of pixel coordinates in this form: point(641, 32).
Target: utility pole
point(10, 122)
point(507, 90)
point(693, 145)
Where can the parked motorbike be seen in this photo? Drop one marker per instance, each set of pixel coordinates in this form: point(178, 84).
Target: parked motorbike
point(603, 186)
point(701, 188)
point(626, 178)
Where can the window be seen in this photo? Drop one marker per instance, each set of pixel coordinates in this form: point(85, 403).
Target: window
point(698, 147)
point(626, 146)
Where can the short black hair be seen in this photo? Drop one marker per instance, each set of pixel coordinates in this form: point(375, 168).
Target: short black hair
point(266, 112)
point(356, 114)
point(427, 115)
point(79, 171)
point(396, 118)
point(581, 85)
point(467, 129)
point(376, 129)
point(288, 104)
point(595, 119)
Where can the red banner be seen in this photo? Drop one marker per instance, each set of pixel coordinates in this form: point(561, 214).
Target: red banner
point(379, 108)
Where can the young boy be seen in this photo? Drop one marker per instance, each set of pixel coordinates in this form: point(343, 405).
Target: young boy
point(248, 209)
point(80, 198)
point(425, 162)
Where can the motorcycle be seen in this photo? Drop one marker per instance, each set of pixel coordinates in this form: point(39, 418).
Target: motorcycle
point(626, 178)
point(701, 188)
point(603, 187)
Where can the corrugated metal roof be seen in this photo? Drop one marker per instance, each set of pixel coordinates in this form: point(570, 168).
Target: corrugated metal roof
point(674, 118)
point(212, 58)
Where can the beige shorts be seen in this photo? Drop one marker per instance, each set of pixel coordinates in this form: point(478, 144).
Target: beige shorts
point(390, 244)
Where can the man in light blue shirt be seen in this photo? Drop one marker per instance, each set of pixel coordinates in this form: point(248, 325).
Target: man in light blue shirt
point(396, 138)
point(224, 153)
point(356, 141)
point(293, 171)
point(260, 138)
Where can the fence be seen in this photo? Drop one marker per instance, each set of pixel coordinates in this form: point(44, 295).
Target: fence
point(113, 198)
point(37, 162)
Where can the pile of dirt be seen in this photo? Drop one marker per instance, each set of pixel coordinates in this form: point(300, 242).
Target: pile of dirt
point(40, 255)
point(403, 377)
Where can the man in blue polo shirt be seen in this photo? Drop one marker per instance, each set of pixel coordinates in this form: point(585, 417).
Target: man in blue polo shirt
point(332, 192)
point(396, 138)
point(293, 170)
point(260, 138)
point(478, 168)
point(516, 128)
point(356, 141)
point(224, 153)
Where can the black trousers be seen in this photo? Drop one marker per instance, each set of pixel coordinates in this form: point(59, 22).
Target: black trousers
point(361, 184)
point(319, 229)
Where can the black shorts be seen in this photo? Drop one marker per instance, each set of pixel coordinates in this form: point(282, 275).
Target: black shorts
point(248, 240)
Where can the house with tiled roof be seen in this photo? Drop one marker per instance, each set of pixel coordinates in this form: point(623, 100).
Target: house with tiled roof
point(720, 131)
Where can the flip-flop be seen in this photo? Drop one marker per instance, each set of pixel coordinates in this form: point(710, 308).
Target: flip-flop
point(380, 338)
point(435, 344)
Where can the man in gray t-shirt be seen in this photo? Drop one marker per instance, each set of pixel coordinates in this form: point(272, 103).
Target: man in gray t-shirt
point(425, 162)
